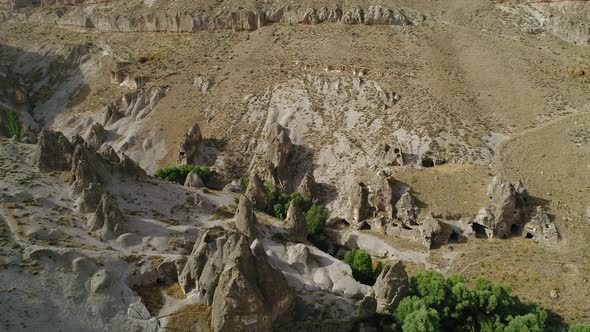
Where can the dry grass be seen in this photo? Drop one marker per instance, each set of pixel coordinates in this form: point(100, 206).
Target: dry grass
point(192, 317)
point(174, 290)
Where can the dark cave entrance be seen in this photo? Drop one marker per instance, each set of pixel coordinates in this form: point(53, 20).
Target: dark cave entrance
point(480, 230)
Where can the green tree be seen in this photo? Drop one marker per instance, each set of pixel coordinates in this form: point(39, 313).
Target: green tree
point(315, 219)
point(486, 307)
point(422, 320)
point(579, 328)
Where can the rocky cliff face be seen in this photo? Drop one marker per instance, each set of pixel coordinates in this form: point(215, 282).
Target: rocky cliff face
point(239, 20)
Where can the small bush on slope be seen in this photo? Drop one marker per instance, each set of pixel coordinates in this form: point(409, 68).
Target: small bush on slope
point(179, 173)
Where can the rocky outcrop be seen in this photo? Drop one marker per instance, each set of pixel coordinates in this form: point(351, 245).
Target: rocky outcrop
point(190, 145)
point(540, 228)
point(389, 155)
point(96, 135)
point(407, 211)
point(202, 84)
point(243, 290)
point(193, 180)
point(108, 222)
point(278, 155)
point(295, 222)
point(87, 168)
point(89, 198)
point(429, 229)
point(504, 217)
point(236, 20)
point(245, 219)
point(54, 151)
point(375, 200)
point(308, 186)
point(256, 192)
point(391, 286)
point(137, 105)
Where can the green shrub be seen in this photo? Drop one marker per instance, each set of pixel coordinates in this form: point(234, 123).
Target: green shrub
point(14, 125)
point(422, 320)
point(315, 219)
point(486, 307)
point(361, 264)
point(179, 173)
point(279, 202)
point(579, 328)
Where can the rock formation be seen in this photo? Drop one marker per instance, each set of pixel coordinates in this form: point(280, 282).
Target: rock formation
point(245, 219)
point(193, 180)
point(308, 186)
point(108, 222)
point(54, 151)
point(96, 135)
point(278, 154)
point(256, 192)
point(390, 156)
point(243, 290)
point(295, 223)
point(541, 228)
point(407, 211)
point(373, 203)
point(190, 145)
point(505, 215)
point(202, 84)
point(87, 168)
point(391, 286)
point(429, 228)
point(89, 198)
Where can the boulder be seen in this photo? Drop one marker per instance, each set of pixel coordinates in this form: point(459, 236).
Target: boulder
point(193, 180)
point(256, 192)
point(308, 186)
point(391, 286)
point(54, 151)
point(243, 290)
point(190, 145)
point(540, 228)
point(295, 222)
point(108, 222)
point(202, 84)
point(245, 219)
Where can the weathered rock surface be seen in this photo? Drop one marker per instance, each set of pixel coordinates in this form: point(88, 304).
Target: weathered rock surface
point(202, 84)
point(243, 290)
point(245, 219)
point(89, 198)
point(308, 186)
point(96, 135)
point(278, 154)
point(237, 20)
point(54, 151)
point(137, 105)
point(295, 222)
point(190, 145)
point(256, 192)
point(389, 155)
point(505, 215)
point(391, 286)
point(193, 180)
point(540, 228)
point(373, 201)
point(87, 168)
point(429, 228)
point(407, 211)
point(108, 222)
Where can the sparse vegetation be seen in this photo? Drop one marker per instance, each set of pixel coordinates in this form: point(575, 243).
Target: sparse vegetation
point(14, 125)
point(362, 266)
point(436, 303)
point(179, 173)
